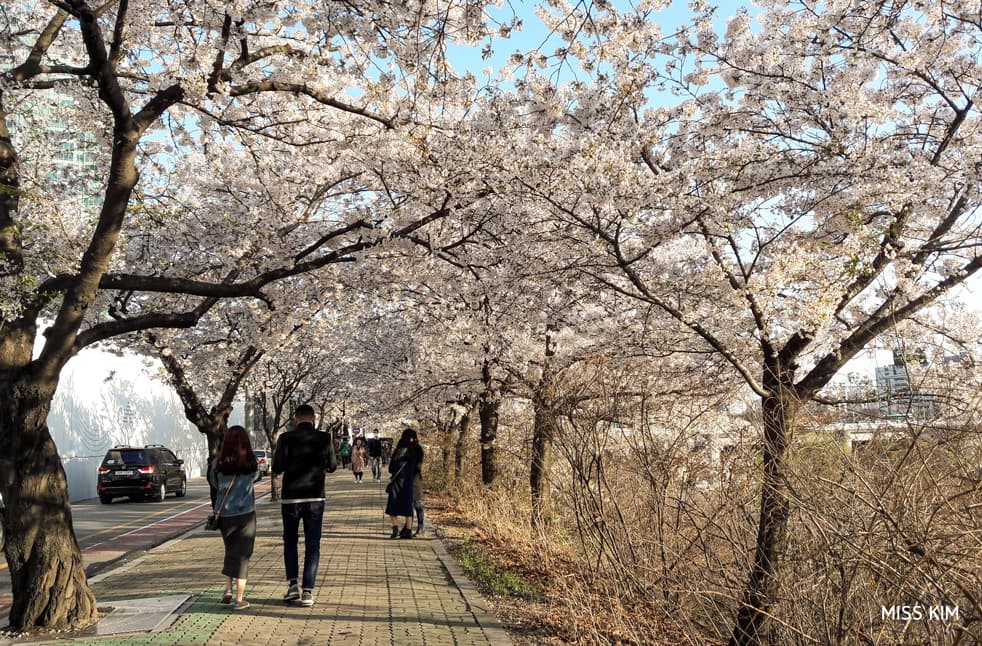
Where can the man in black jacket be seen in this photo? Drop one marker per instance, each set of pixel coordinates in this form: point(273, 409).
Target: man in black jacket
point(375, 456)
point(303, 455)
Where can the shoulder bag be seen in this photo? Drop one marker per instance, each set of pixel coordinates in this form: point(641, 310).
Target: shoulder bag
point(388, 487)
point(212, 522)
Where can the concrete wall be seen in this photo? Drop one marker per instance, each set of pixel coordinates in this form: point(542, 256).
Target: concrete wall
point(103, 400)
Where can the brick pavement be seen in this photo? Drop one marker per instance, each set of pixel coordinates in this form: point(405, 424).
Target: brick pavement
point(370, 590)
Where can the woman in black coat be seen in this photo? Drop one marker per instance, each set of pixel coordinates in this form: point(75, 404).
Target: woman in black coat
point(406, 461)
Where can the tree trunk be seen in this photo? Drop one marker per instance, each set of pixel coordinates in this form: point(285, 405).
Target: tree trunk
point(47, 576)
point(213, 433)
point(458, 459)
point(271, 412)
point(210, 423)
point(446, 449)
point(11, 251)
point(274, 487)
point(779, 410)
point(543, 438)
point(488, 413)
point(487, 409)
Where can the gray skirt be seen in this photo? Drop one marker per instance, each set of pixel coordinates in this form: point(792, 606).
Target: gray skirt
point(239, 536)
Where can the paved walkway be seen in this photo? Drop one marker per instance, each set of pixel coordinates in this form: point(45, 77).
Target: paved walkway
point(370, 589)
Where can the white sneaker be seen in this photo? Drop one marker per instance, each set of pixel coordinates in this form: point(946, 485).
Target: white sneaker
point(307, 598)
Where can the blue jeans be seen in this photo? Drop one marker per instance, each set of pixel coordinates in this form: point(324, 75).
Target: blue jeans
point(312, 514)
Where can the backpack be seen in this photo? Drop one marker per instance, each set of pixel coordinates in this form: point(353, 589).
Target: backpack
point(332, 454)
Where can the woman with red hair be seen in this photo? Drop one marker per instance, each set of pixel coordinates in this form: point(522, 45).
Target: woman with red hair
point(235, 505)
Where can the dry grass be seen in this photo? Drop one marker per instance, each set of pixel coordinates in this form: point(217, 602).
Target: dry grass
point(644, 556)
point(568, 605)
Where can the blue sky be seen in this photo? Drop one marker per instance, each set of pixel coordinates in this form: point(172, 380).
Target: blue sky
point(534, 35)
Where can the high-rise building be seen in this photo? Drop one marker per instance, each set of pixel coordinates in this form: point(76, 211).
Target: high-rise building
point(892, 380)
point(898, 399)
point(37, 120)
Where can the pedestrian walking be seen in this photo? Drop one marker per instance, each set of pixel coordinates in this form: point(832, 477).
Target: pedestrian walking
point(303, 455)
point(358, 458)
point(418, 496)
point(406, 459)
point(232, 476)
point(344, 452)
point(375, 456)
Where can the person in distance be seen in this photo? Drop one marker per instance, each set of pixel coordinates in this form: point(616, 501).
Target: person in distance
point(406, 461)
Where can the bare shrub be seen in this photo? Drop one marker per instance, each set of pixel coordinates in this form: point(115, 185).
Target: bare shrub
point(885, 542)
point(661, 526)
point(655, 518)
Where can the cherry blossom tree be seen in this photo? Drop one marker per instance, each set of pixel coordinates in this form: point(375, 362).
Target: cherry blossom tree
point(501, 318)
point(306, 367)
point(816, 183)
point(295, 373)
point(168, 102)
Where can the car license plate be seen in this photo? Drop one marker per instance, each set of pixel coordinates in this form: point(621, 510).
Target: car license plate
point(124, 473)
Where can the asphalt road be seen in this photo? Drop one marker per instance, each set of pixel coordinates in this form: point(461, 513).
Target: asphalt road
point(124, 529)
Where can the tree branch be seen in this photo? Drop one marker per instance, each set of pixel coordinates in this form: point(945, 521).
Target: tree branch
point(32, 66)
point(100, 66)
point(194, 410)
point(269, 85)
point(116, 48)
point(327, 237)
point(216, 68)
point(109, 329)
point(245, 362)
point(885, 317)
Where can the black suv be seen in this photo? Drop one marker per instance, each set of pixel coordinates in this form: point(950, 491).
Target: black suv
point(152, 471)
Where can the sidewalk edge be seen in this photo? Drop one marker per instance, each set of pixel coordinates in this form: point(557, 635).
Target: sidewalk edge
point(477, 604)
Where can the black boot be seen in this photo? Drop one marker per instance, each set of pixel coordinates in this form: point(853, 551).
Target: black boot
point(395, 532)
point(406, 532)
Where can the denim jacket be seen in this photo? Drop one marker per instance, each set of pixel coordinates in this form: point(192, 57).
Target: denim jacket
point(241, 497)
